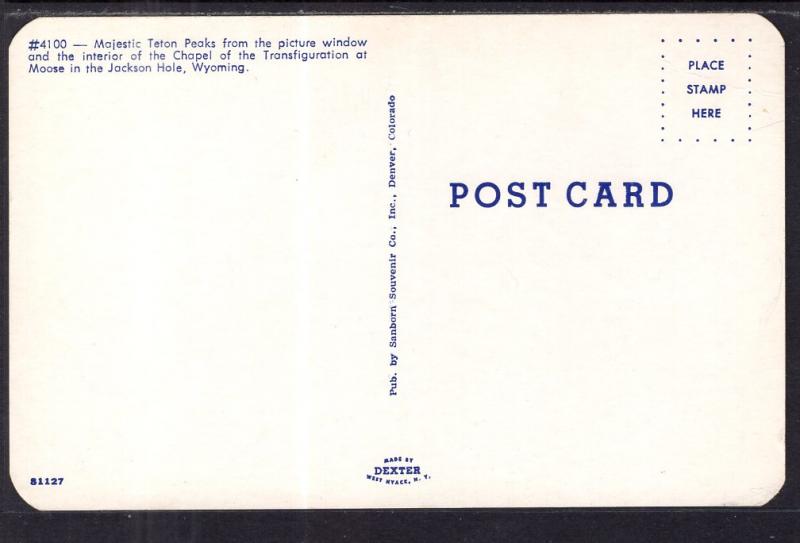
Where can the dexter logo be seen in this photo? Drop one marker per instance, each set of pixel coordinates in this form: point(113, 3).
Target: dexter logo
point(396, 470)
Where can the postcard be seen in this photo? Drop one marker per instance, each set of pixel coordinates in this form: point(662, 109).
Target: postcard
point(397, 261)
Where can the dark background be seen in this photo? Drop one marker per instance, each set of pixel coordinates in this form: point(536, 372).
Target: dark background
point(779, 520)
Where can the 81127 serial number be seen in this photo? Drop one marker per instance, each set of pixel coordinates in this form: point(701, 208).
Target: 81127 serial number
point(37, 481)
